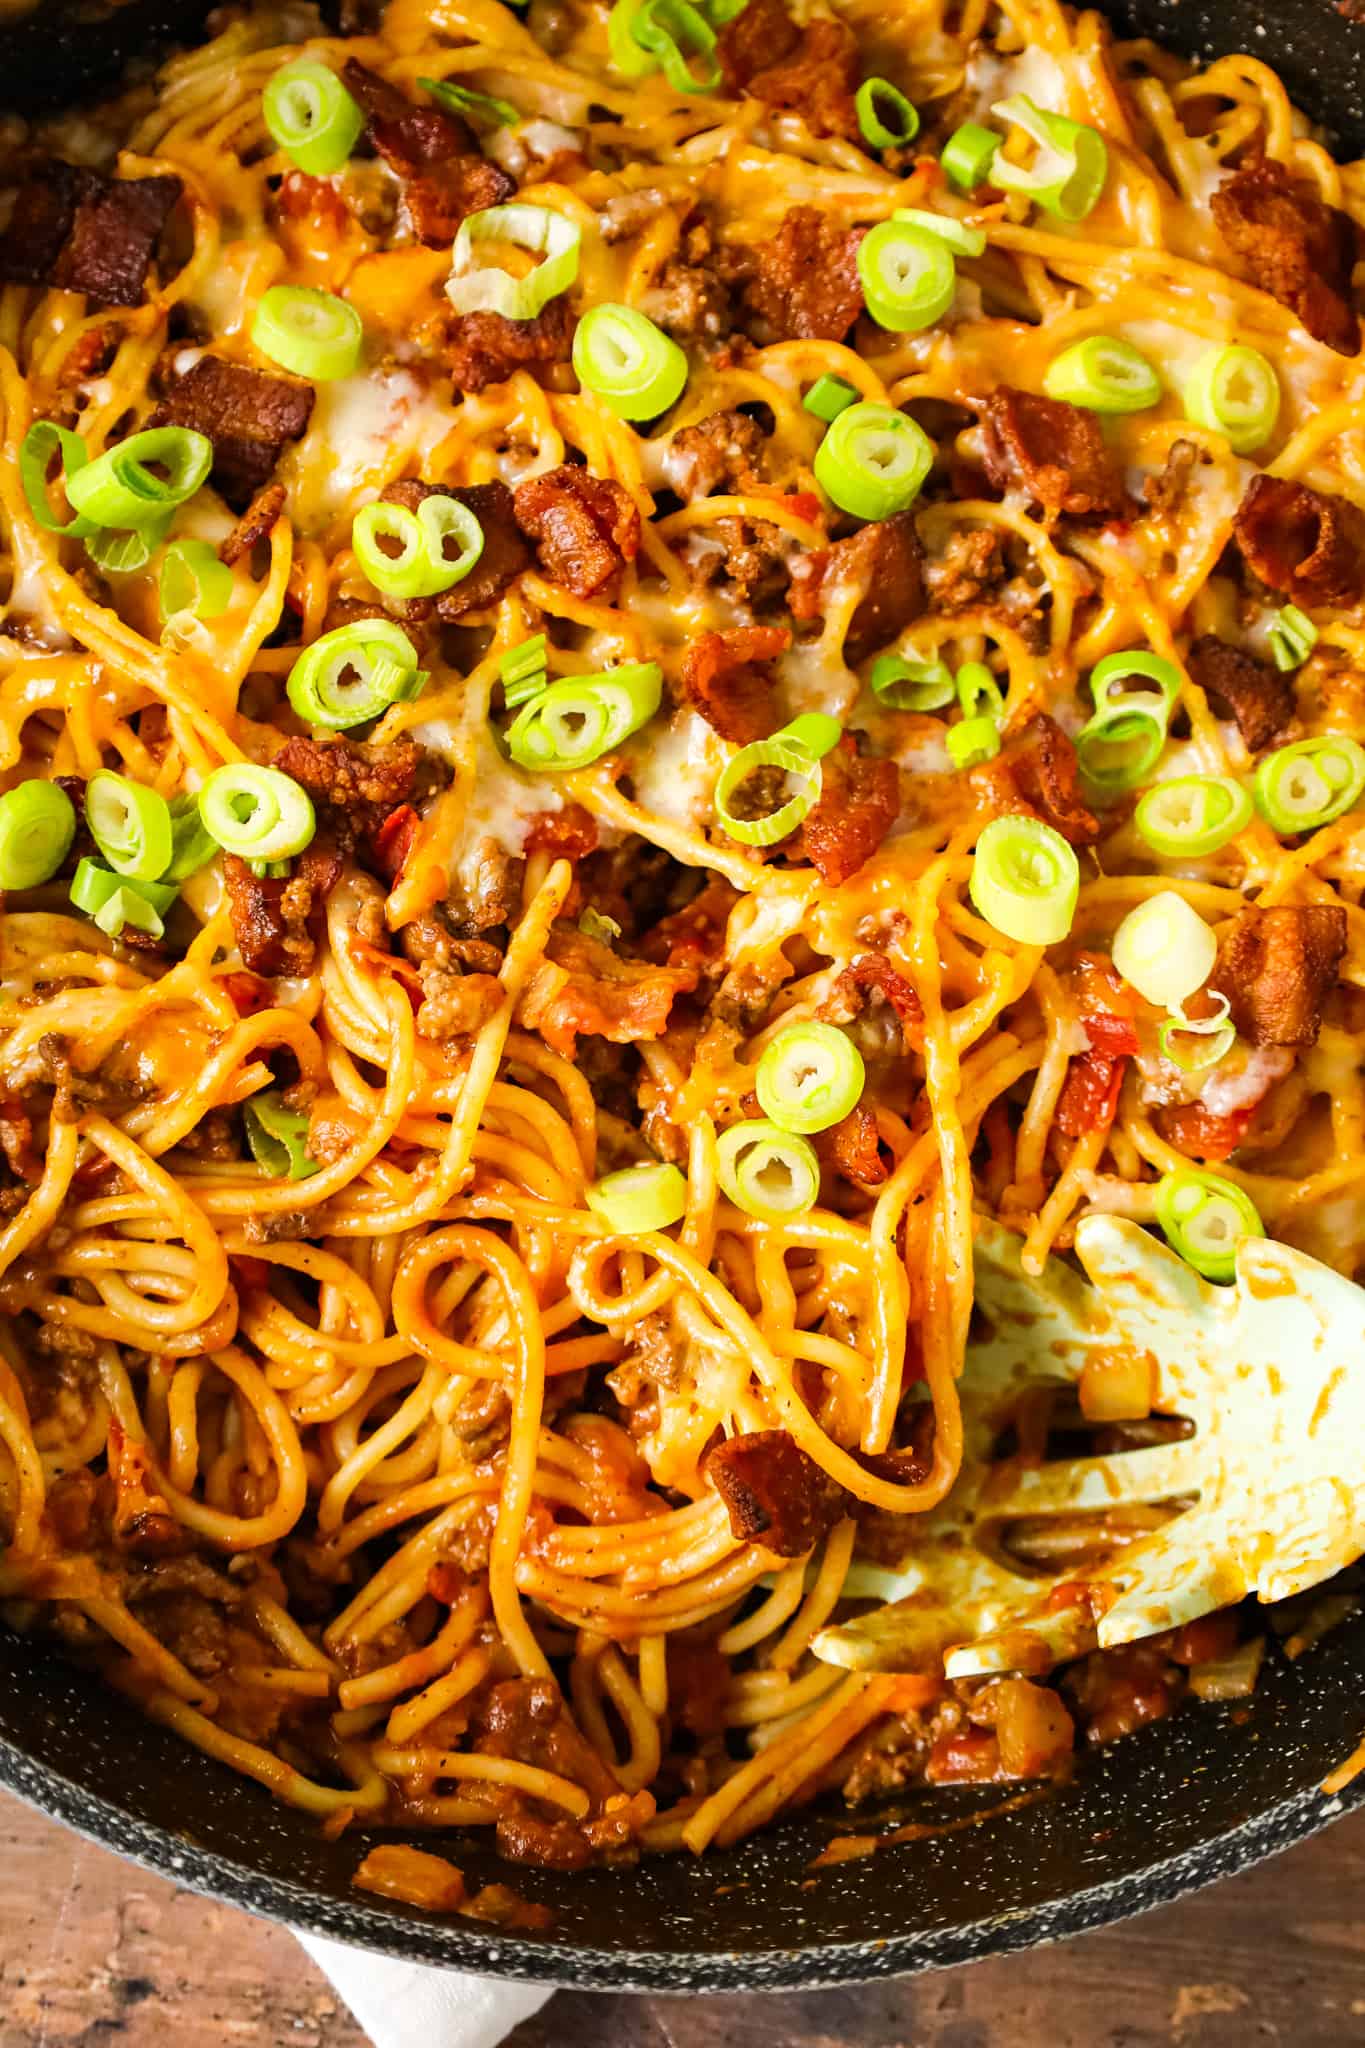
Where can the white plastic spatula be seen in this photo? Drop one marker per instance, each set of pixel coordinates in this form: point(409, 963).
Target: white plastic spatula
point(1268, 1494)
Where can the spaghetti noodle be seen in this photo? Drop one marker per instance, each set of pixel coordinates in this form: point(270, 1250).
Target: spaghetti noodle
point(339, 1428)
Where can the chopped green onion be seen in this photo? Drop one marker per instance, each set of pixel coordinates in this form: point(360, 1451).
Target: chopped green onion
point(43, 439)
point(973, 741)
point(798, 750)
point(873, 461)
point(354, 673)
point(673, 33)
point(1192, 815)
point(767, 1172)
point(416, 563)
point(628, 56)
point(113, 900)
point(192, 847)
point(469, 104)
point(651, 1196)
point(594, 925)
point(37, 826)
point(523, 672)
point(312, 117)
point(120, 488)
point(1118, 747)
point(1234, 391)
point(573, 723)
point(278, 1137)
point(968, 154)
point(1164, 950)
point(1108, 676)
point(1301, 787)
point(1105, 374)
point(1293, 636)
point(961, 238)
point(909, 276)
point(907, 684)
point(475, 287)
point(1205, 1218)
point(1070, 162)
point(311, 332)
point(978, 691)
point(1213, 1039)
point(629, 363)
point(194, 583)
point(1025, 880)
point(120, 554)
point(828, 397)
point(257, 813)
point(131, 825)
point(886, 118)
point(809, 1077)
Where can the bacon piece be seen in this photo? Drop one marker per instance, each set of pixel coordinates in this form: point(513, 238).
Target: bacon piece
point(1198, 1132)
point(1054, 451)
point(344, 774)
point(83, 233)
point(886, 562)
point(1276, 968)
point(271, 916)
point(873, 974)
point(854, 1147)
point(1308, 544)
point(1036, 776)
point(773, 1492)
point(393, 841)
point(812, 70)
point(254, 524)
point(569, 834)
point(720, 453)
point(247, 414)
point(585, 527)
point(434, 152)
point(1238, 686)
point(728, 678)
point(485, 348)
point(859, 802)
point(1104, 1003)
point(695, 935)
point(1295, 246)
point(505, 553)
point(806, 285)
point(582, 986)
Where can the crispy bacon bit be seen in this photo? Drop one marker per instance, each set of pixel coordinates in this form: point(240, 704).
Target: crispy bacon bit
point(806, 285)
point(83, 233)
point(774, 1493)
point(886, 562)
point(271, 917)
point(1295, 246)
point(1238, 686)
point(1104, 1004)
point(1054, 451)
point(254, 524)
point(585, 527)
point(247, 414)
point(813, 70)
point(695, 935)
point(728, 678)
point(435, 154)
point(582, 986)
point(1308, 544)
point(505, 553)
point(720, 453)
point(1276, 967)
point(569, 834)
point(873, 974)
point(485, 348)
point(855, 1148)
point(1037, 776)
point(1194, 1130)
point(859, 802)
point(393, 841)
point(345, 774)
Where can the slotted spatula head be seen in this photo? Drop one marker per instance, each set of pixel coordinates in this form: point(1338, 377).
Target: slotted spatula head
point(1267, 1494)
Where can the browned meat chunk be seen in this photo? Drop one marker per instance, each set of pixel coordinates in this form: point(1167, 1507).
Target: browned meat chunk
point(84, 233)
point(434, 152)
point(858, 804)
point(720, 453)
point(526, 1718)
point(344, 774)
point(728, 678)
point(774, 1493)
point(1295, 247)
point(971, 567)
point(254, 524)
point(247, 414)
point(585, 527)
point(886, 561)
point(271, 917)
point(754, 557)
point(1054, 451)
point(872, 975)
point(484, 348)
point(505, 553)
point(1238, 686)
point(761, 34)
point(1307, 544)
point(1037, 775)
point(1276, 968)
point(582, 986)
point(814, 70)
point(805, 285)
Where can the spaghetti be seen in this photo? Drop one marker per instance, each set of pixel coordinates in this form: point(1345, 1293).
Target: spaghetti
point(694, 648)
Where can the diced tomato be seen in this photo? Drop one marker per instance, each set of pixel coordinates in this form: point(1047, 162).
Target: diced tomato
point(1109, 1034)
point(1090, 1095)
point(247, 993)
point(804, 504)
point(393, 841)
point(1193, 1129)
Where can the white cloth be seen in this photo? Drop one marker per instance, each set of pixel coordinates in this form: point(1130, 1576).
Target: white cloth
point(411, 2005)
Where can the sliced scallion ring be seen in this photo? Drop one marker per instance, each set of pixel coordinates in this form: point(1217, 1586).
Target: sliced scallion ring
point(257, 813)
point(968, 155)
point(909, 276)
point(629, 363)
point(1205, 1218)
point(43, 440)
point(278, 1137)
point(1070, 162)
point(1105, 374)
point(908, 684)
point(1293, 636)
point(572, 723)
point(125, 487)
point(469, 104)
point(1164, 950)
point(194, 583)
point(978, 692)
point(312, 117)
point(828, 397)
point(973, 741)
point(192, 846)
point(1195, 1044)
point(1235, 392)
point(873, 461)
point(475, 287)
point(1301, 787)
point(798, 750)
point(651, 1196)
point(130, 824)
point(354, 673)
point(114, 901)
point(1192, 815)
point(962, 239)
point(37, 826)
point(1025, 880)
point(122, 554)
point(403, 552)
point(681, 41)
point(810, 1076)
point(886, 118)
point(767, 1172)
point(311, 332)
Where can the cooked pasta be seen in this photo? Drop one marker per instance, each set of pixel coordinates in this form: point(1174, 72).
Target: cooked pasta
point(850, 715)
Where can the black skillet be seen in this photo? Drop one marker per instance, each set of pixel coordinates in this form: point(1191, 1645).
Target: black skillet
point(1169, 1809)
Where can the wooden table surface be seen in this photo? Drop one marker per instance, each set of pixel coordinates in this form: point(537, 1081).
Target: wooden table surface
point(96, 1954)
